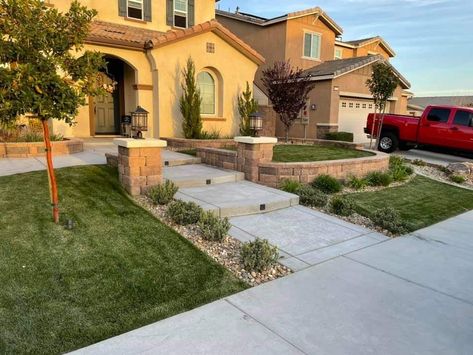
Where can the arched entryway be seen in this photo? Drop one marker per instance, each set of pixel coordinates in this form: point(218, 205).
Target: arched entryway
point(107, 111)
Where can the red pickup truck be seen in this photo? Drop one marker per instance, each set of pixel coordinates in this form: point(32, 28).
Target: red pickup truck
point(442, 126)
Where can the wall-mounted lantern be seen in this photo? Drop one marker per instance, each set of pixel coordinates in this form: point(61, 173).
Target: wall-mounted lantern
point(256, 122)
point(139, 121)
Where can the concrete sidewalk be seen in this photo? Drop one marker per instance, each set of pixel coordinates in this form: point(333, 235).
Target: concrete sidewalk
point(409, 295)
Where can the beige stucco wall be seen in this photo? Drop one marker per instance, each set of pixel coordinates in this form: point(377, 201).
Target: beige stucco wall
point(228, 65)
point(108, 11)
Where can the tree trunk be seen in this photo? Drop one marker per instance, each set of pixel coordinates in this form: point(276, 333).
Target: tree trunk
point(373, 125)
point(51, 175)
point(380, 126)
point(287, 134)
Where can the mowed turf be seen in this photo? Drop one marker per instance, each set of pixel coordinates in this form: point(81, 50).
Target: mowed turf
point(421, 202)
point(117, 270)
point(307, 153)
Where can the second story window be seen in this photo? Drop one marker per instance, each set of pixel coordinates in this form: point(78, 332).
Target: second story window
point(180, 13)
point(135, 9)
point(338, 53)
point(312, 45)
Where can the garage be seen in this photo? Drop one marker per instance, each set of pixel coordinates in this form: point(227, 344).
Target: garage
point(352, 116)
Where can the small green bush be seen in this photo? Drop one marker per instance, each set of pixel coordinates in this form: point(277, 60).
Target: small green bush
point(311, 197)
point(258, 255)
point(388, 218)
point(378, 178)
point(342, 206)
point(339, 136)
point(356, 183)
point(398, 168)
point(184, 213)
point(419, 162)
point(444, 170)
point(327, 184)
point(458, 179)
point(163, 194)
point(209, 135)
point(212, 227)
point(290, 186)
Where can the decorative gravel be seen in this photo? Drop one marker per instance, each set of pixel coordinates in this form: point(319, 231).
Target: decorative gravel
point(226, 253)
point(435, 173)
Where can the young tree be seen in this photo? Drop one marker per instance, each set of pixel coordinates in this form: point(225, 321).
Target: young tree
point(288, 89)
point(247, 105)
point(190, 102)
point(382, 84)
point(44, 69)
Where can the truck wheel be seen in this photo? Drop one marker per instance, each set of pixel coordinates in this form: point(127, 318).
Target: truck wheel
point(388, 142)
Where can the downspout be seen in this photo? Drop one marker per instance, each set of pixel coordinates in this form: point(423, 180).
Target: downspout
point(155, 78)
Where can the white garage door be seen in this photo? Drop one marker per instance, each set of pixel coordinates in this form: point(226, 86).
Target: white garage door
point(352, 117)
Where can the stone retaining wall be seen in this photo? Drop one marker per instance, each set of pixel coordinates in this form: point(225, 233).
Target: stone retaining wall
point(177, 144)
point(272, 174)
point(220, 158)
point(36, 149)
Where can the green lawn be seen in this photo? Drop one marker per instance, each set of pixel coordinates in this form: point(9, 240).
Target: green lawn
point(119, 269)
point(421, 202)
point(307, 153)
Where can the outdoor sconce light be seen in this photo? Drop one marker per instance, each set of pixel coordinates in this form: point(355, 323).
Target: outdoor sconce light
point(139, 121)
point(256, 122)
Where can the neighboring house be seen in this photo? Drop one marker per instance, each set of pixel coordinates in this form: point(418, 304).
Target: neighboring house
point(310, 39)
point(416, 105)
point(146, 44)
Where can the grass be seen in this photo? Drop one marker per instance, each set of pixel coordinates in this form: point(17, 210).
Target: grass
point(117, 270)
point(421, 202)
point(308, 153)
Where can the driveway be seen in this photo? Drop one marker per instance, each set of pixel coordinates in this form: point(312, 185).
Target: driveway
point(436, 158)
point(409, 295)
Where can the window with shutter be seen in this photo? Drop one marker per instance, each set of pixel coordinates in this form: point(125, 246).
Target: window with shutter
point(135, 9)
point(180, 13)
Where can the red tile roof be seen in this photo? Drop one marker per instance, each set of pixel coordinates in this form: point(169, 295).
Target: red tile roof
point(107, 33)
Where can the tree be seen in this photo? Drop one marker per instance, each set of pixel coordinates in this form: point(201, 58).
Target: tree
point(44, 69)
point(190, 102)
point(382, 84)
point(288, 90)
point(247, 105)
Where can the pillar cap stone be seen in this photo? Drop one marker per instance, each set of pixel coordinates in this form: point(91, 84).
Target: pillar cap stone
point(140, 143)
point(256, 140)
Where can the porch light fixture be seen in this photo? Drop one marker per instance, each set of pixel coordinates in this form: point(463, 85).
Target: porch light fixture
point(256, 123)
point(139, 121)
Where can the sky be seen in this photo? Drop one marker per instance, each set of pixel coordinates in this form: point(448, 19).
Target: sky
point(433, 39)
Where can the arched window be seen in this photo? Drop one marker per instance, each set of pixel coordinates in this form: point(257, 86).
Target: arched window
point(206, 84)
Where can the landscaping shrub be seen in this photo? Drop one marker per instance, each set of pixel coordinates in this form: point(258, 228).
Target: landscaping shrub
point(311, 197)
point(398, 168)
point(212, 227)
point(209, 135)
point(342, 206)
point(258, 255)
point(339, 136)
point(290, 186)
point(184, 213)
point(378, 178)
point(388, 218)
point(327, 184)
point(444, 170)
point(163, 194)
point(419, 162)
point(356, 183)
point(458, 179)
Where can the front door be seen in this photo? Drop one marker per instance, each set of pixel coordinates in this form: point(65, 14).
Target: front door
point(105, 111)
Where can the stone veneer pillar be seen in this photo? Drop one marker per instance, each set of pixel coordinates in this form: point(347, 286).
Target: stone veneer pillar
point(139, 163)
point(251, 152)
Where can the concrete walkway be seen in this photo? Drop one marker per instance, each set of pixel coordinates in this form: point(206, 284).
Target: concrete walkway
point(410, 295)
point(435, 158)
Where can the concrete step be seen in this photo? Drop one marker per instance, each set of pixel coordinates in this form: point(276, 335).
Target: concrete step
point(198, 175)
point(238, 198)
point(171, 158)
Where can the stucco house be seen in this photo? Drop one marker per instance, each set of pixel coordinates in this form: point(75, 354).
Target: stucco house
point(146, 44)
point(311, 40)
